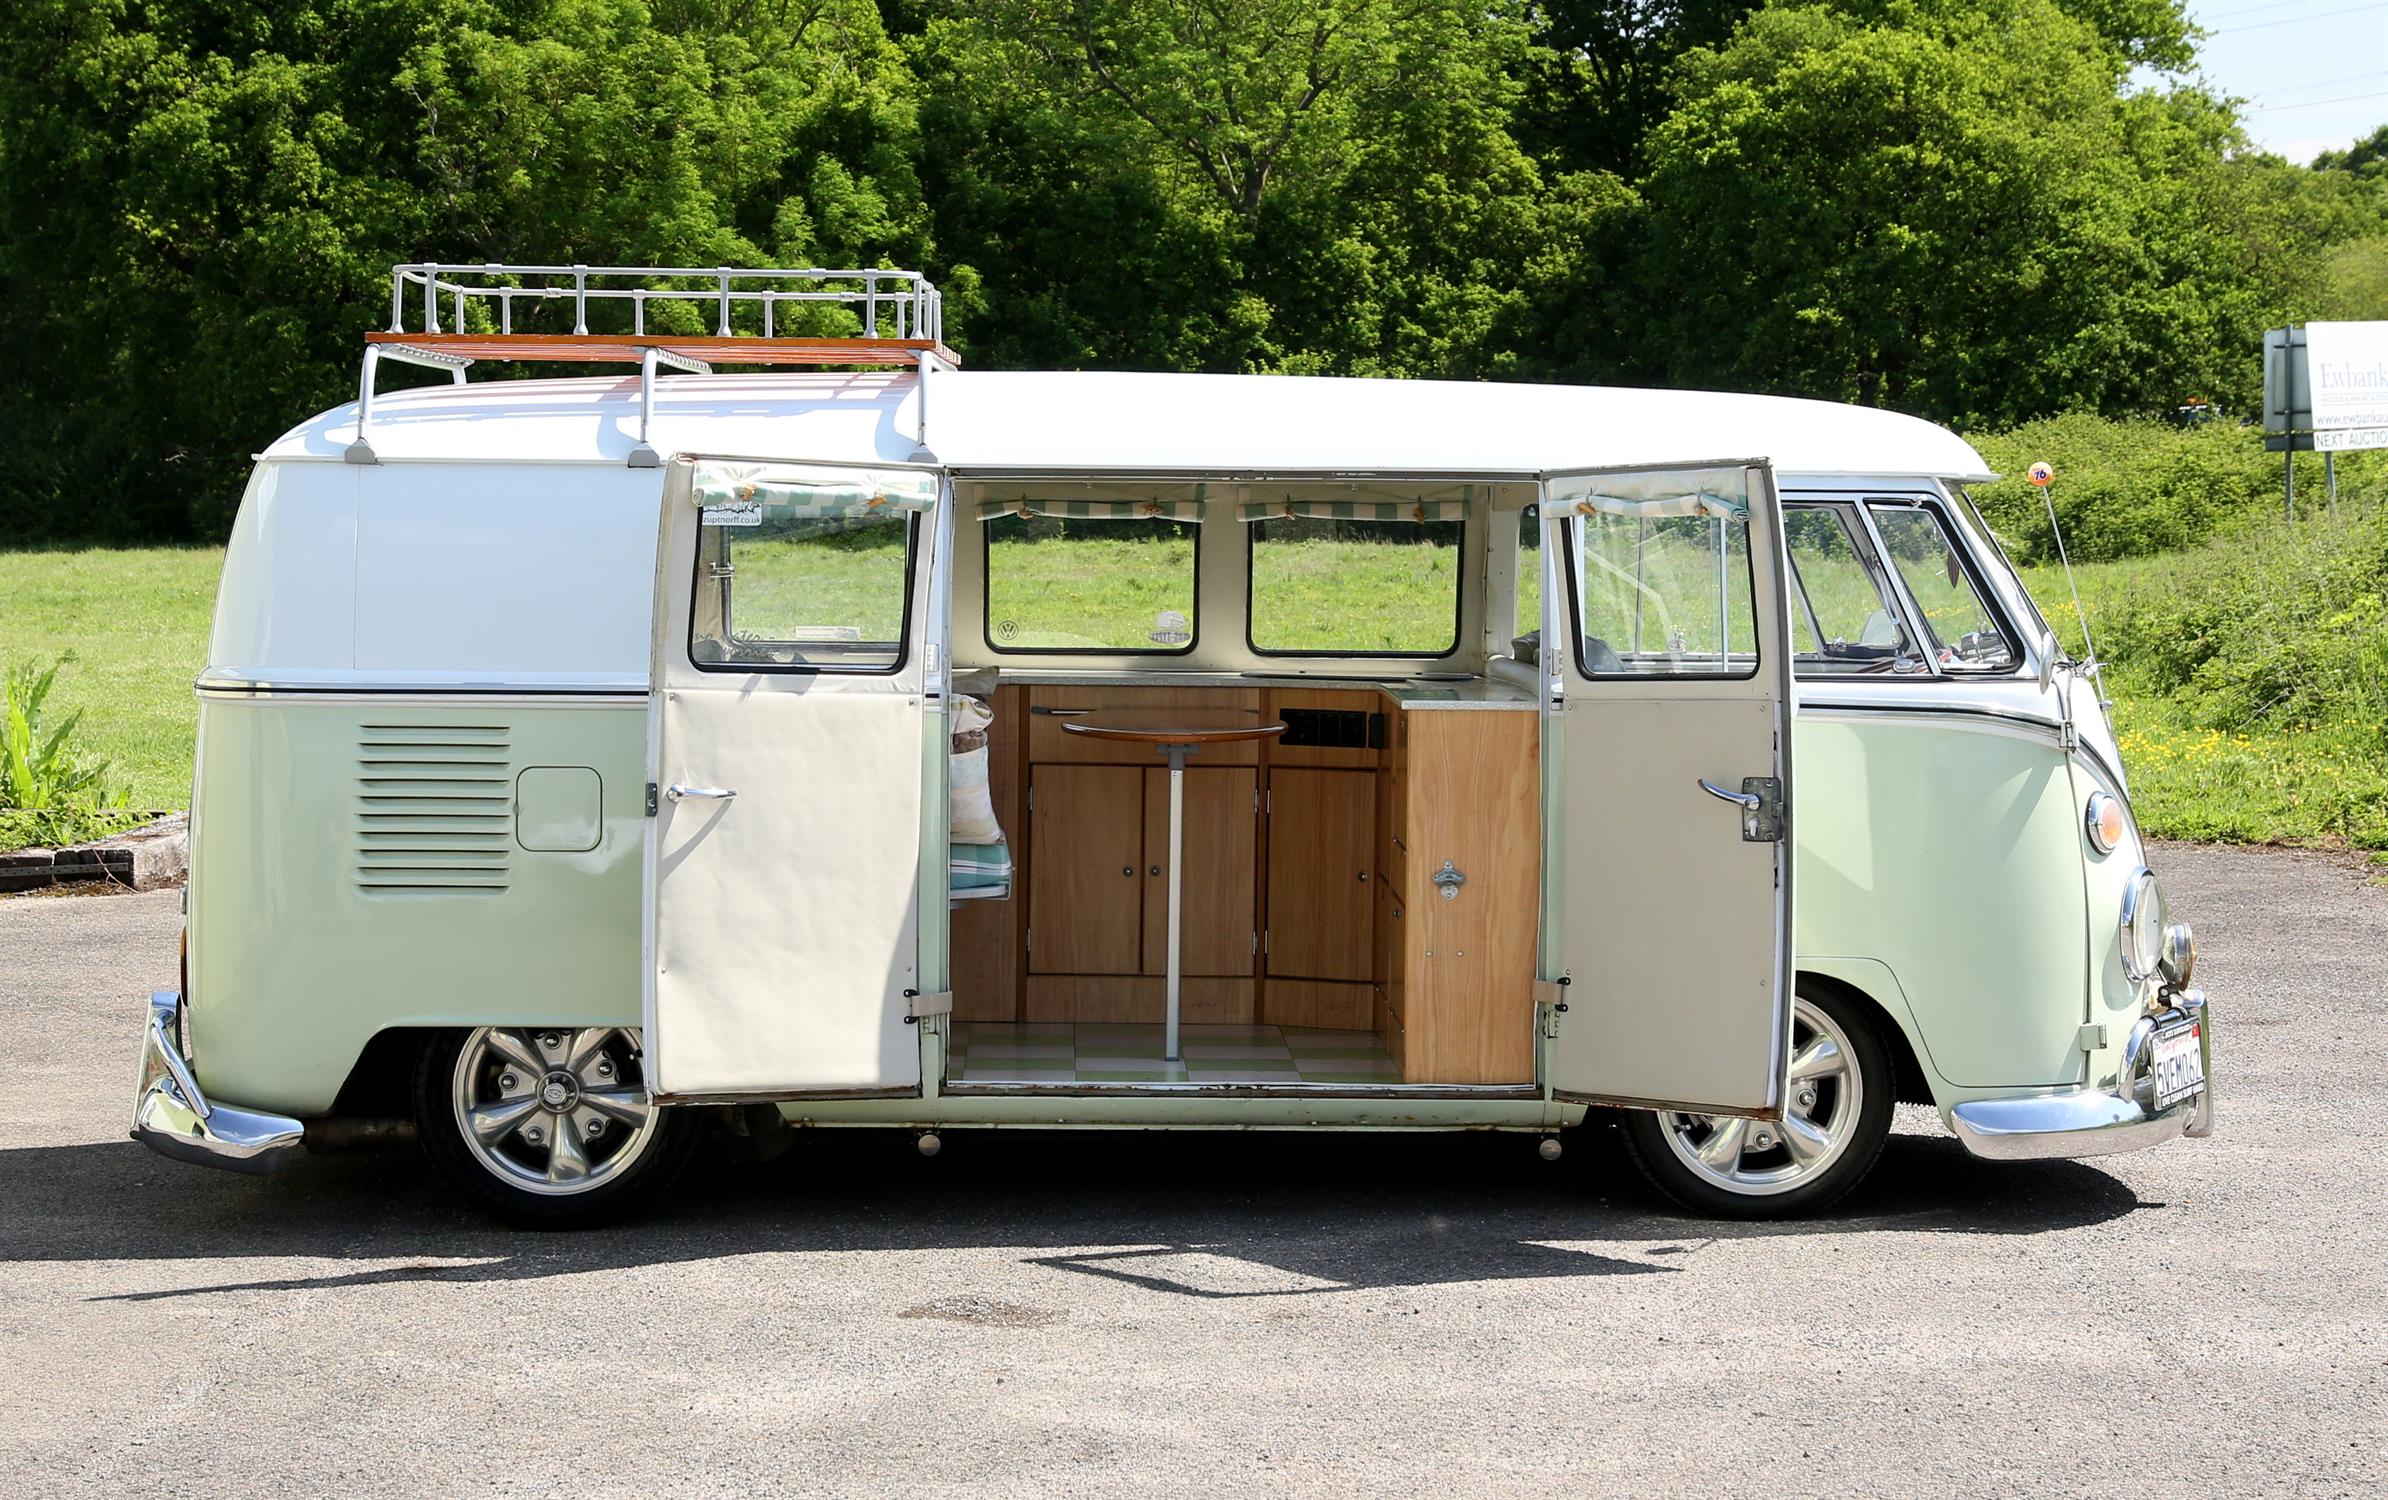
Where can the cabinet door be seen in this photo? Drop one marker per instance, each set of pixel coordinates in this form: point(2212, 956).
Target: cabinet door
point(1322, 841)
point(1222, 872)
point(1086, 877)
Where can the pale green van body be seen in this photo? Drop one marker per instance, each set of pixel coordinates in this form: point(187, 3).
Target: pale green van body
point(1941, 868)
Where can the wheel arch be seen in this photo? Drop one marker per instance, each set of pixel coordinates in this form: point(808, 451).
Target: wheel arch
point(1914, 1081)
point(380, 1083)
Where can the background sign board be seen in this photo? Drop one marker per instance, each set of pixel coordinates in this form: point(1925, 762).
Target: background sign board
point(2326, 387)
point(2347, 371)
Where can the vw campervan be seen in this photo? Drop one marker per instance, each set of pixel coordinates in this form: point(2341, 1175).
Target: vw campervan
point(576, 760)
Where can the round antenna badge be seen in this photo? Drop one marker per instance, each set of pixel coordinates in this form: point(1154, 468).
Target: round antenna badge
point(2042, 474)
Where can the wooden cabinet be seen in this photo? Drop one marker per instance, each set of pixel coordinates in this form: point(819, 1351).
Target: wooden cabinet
point(1221, 850)
point(1459, 981)
point(1086, 872)
point(1322, 852)
point(1098, 886)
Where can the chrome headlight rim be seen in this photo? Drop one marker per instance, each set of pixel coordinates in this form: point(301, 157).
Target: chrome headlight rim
point(2142, 946)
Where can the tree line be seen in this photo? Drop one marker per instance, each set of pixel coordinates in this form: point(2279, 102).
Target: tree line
point(1977, 210)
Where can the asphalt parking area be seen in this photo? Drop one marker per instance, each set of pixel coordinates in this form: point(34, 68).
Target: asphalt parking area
point(1221, 1314)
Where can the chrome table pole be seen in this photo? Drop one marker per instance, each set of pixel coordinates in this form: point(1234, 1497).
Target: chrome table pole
point(1170, 1052)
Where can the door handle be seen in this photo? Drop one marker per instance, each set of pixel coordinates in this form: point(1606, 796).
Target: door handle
point(676, 791)
point(1761, 802)
point(1749, 801)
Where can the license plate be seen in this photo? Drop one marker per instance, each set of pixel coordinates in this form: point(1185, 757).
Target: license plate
point(2178, 1067)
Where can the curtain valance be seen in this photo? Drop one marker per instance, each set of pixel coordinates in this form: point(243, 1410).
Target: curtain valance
point(740, 494)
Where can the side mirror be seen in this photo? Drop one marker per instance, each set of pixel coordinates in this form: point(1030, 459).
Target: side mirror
point(2048, 653)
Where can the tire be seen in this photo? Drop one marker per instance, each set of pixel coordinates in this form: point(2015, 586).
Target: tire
point(621, 1150)
point(1847, 1107)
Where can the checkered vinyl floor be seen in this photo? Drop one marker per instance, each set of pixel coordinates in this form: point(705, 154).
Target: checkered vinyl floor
point(1090, 1052)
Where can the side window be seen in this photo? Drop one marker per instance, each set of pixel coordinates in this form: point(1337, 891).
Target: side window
point(1060, 583)
point(1661, 595)
point(1964, 636)
point(1842, 620)
point(1406, 571)
point(804, 570)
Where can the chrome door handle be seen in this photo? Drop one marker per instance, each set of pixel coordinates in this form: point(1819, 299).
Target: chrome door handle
point(676, 791)
point(1761, 802)
point(1749, 801)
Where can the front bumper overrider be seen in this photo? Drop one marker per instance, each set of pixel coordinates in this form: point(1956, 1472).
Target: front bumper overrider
point(2098, 1121)
point(173, 1118)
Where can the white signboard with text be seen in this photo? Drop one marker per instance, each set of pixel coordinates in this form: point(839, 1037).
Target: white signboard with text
point(2348, 369)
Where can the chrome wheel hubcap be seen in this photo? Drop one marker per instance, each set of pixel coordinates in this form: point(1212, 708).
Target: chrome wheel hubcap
point(1820, 1115)
point(553, 1111)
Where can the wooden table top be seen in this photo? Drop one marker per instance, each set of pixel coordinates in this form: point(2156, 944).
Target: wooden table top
point(1173, 726)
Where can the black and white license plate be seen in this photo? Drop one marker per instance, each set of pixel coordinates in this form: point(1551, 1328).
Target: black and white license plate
point(2178, 1067)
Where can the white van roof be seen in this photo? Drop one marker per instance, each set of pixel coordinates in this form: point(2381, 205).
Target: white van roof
point(1120, 423)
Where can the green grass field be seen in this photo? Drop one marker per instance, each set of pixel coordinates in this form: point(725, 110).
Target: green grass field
point(136, 623)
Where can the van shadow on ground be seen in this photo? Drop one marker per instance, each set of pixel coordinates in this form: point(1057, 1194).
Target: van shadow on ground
point(1196, 1215)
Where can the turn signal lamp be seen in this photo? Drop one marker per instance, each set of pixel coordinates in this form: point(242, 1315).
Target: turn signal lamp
point(2103, 819)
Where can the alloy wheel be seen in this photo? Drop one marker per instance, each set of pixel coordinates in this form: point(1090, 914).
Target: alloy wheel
point(553, 1110)
point(1820, 1118)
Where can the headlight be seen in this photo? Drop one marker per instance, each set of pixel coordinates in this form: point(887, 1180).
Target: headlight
point(2102, 819)
point(2177, 959)
point(2142, 926)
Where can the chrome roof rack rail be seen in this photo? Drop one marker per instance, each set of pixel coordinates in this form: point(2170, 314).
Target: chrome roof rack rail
point(884, 318)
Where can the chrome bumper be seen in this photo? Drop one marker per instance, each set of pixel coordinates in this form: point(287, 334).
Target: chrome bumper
point(172, 1118)
point(2095, 1122)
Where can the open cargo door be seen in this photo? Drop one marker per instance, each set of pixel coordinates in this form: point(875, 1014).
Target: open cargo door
point(1667, 683)
point(786, 759)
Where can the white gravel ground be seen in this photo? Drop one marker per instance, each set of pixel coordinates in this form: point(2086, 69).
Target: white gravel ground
point(1095, 1315)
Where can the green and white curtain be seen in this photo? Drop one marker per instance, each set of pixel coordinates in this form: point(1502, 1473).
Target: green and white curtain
point(740, 493)
point(1653, 495)
point(1149, 509)
point(1292, 508)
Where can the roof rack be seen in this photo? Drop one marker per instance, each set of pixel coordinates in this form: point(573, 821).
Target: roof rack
point(508, 312)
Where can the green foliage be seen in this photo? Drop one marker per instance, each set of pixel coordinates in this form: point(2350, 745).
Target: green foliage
point(1964, 208)
point(51, 790)
point(1953, 207)
point(2135, 487)
point(2250, 678)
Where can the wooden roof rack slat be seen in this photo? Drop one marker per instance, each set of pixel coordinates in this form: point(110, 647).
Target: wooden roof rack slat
point(901, 318)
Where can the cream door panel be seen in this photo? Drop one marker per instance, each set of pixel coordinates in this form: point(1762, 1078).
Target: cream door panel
point(784, 880)
point(1674, 921)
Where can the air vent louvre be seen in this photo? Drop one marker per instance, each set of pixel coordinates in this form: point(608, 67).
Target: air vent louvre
point(434, 808)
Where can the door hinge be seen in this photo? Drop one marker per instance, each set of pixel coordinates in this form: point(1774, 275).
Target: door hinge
point(652, 792)
point(918, 1005)
point(1550, 996)
point(2068, 736)
point(2091, 1038)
